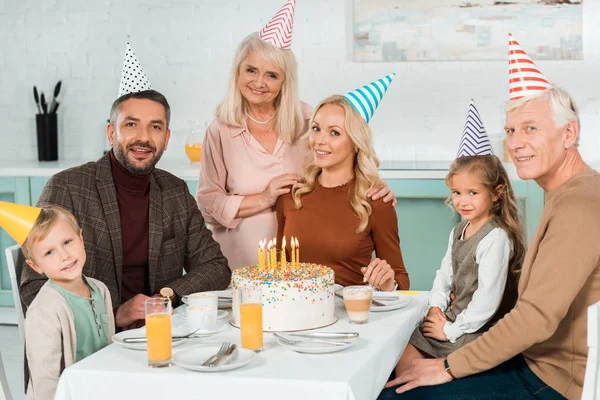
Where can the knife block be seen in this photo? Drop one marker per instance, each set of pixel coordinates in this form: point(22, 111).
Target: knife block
point(47, 137)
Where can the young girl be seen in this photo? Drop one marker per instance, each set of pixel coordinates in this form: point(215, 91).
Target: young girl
point(330, 214)
point(482, 263)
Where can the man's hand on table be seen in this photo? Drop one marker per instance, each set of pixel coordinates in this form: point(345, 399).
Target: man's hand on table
point(424, 372)
point(131, 311)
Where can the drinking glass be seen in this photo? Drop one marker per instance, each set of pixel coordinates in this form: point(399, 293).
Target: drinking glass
point(357, 300)
point(158, 331)
point(251, 317)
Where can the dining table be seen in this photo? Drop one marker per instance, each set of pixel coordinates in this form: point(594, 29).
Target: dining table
point(356, 373)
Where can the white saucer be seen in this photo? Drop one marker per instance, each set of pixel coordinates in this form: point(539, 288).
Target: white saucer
point(392, 301)
point(141, 332)
point(219, 326)
point(312, 347)
point(222, 314)
point(193, 359)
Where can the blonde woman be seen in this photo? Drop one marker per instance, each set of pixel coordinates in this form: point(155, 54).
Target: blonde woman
point(330, 212)
point(253, 150)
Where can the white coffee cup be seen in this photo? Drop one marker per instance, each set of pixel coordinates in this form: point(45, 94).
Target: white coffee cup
point(201, 317)
point(201, 299)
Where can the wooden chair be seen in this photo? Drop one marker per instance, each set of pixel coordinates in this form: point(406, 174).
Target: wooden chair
point(591, 383)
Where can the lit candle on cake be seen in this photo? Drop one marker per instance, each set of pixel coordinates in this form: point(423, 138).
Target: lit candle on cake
point(274, 254)
point(293, 245)
point(297, 254)
point(268, 254)
point(283, 256)
point(261, 254)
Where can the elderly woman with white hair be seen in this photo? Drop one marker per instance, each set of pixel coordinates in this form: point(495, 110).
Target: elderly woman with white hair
point(254, 148)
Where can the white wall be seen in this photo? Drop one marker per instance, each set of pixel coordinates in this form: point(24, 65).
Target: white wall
point(186, 49)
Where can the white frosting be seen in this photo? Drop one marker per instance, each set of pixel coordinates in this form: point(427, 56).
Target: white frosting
point(298, 303)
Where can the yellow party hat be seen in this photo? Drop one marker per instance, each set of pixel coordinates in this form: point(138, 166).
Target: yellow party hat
point(17, 219)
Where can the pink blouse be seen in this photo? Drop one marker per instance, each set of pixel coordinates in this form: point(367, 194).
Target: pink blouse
point(234, 164)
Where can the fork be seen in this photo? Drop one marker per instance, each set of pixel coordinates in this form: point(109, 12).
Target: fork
point(219, 353)
point(288, 341)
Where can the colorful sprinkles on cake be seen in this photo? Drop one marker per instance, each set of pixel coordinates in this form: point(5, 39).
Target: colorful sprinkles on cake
point(308, 279)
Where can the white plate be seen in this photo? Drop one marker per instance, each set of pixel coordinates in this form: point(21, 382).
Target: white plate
point(193, 359)
point(392, 301)
point(222, 314)
point(141, 332)
point(312, 347)
point(219, 326)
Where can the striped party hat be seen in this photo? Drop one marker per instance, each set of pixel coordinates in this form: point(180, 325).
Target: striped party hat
point(474, 141)
point(133, 78)
point(365, 100)
point(524, 77)
point(278, 30)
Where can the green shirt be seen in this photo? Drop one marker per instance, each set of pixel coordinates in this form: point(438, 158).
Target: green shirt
point(91, 322)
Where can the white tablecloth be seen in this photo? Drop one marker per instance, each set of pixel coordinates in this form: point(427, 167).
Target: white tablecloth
point(357, 373)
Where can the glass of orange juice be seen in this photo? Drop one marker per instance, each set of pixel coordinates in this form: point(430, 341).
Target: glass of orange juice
point(251, 317)
point(158, 331)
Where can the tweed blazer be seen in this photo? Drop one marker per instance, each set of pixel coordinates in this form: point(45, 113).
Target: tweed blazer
point(178, 237)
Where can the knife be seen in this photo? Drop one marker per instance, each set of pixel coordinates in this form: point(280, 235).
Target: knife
point(222, 358)
point(177, 338)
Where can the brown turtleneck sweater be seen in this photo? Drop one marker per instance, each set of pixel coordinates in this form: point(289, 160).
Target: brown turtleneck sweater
point(132, 195)
point(326, 230)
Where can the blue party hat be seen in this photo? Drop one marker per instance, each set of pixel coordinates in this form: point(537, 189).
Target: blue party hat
point(474, 141)
point(366, 99)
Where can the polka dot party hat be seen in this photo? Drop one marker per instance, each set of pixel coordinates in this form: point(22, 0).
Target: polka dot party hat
point(524, 77)
point(133, 78)
point(365, 100)
point(474, 141)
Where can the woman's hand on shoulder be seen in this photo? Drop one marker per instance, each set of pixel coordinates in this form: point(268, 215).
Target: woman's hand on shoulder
point(380, 275)
point(279, 185)
point(384, 192)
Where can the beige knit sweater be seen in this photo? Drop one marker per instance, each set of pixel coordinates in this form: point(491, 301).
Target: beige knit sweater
point(559, 281)
point(50, 339)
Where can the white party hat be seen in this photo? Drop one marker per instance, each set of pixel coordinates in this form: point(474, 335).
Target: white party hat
point(278, 30)
point(524, 77)
point(474, 141)
point(365, 100)
point(133, 78)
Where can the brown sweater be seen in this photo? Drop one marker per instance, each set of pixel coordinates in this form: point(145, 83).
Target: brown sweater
point(559, 281)
point(326, 230)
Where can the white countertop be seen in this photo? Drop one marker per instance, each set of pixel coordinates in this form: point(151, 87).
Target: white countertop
point(389, 169)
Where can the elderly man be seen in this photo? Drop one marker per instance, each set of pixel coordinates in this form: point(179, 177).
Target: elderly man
point(539, 349)
point(141, 225)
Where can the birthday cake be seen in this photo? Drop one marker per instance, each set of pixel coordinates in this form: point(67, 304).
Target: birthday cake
point(295, 297)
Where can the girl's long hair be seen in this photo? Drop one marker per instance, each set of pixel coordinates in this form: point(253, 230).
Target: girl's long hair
point(289, 122)
point(366, 163)
point(490, 172)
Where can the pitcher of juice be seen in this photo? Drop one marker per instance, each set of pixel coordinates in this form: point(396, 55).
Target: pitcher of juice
point(158, 331)
point(251, 317)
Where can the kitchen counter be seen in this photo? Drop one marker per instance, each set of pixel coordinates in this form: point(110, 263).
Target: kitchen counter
point(389, 169)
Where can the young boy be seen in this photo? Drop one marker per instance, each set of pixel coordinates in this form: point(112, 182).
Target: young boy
point(71, 316)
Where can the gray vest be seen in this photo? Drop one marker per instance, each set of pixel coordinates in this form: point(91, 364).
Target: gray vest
point(464, 267)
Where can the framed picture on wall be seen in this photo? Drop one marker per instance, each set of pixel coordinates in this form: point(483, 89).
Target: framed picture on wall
point(446, 30)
